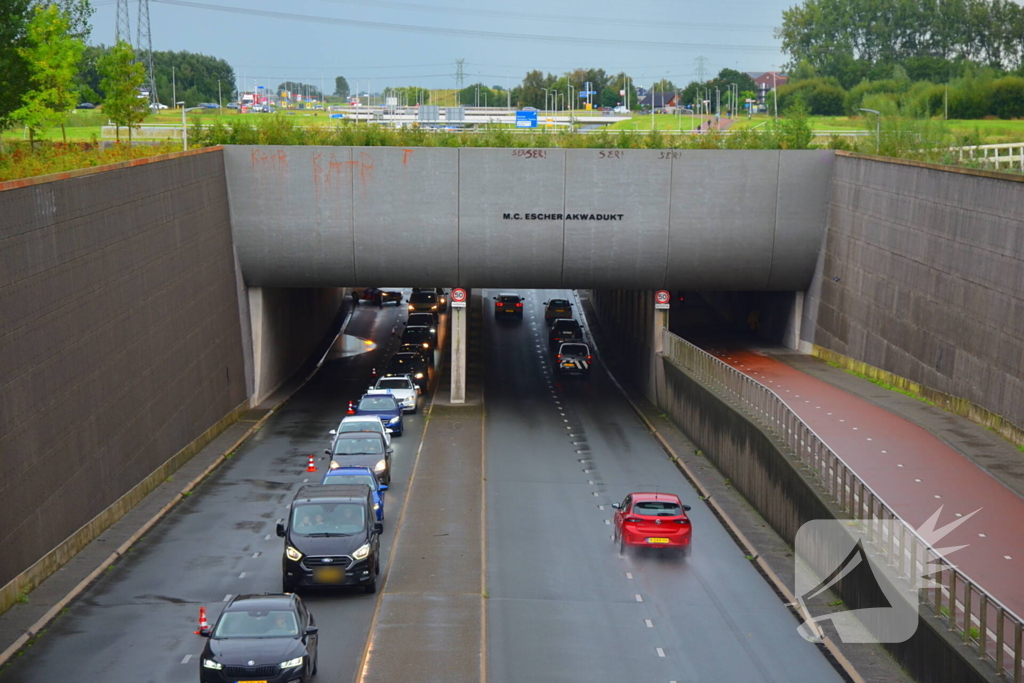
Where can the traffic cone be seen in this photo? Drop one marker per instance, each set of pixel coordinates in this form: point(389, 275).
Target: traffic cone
point(202, 620)
point(312, 465)
point(373, 373)
point(351, 409)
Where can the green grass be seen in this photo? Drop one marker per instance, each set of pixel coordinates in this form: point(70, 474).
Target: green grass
point(882, 384)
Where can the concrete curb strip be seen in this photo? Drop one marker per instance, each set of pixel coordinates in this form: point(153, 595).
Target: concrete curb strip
point(776, 582)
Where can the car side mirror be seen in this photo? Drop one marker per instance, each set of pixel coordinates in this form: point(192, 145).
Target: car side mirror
point(687, 508)
point(616, 506)
point(391, 451)
point(333, 432)
point(280, 529)
point(312, 630)
point(378, 527)
point(383, 487)
point(205, 632)
point(327, 451)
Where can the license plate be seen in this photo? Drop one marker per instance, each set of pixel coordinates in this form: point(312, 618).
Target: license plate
point(329, 575)
point(657, 540)
point(252, 681)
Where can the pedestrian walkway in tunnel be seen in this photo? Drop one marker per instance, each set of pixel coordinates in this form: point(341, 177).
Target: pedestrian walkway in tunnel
point(911, 469)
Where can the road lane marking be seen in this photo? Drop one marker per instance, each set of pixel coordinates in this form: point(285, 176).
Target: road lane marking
point(629, 575)
point(242, 575)
point(256, 554)
point(227, 597)
point(608, 521)
point(185, 659)
point(638, 597)
point(267, 537)
point(650, 624)
point(661, 653)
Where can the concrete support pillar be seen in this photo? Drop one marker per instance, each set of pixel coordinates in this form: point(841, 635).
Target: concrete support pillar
point(459, 346)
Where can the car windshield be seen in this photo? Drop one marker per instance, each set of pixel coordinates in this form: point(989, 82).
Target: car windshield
point(377, 403)
point(508, 299)
point(416, 333)
point(423, 298)
point(558, 303)
point(362, 426)
point(657, 508)
point(574, 350)
point(394, 384)
point(420, 319)
point(367, 479)
point(350, 446)
point(257, 624)
point(328, 519)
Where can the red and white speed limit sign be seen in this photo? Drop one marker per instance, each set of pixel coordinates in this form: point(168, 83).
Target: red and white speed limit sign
point(459, 297)
point(662, 299)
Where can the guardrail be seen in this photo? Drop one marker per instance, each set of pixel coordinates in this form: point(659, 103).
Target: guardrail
point(1011, 154)
point(980, 620)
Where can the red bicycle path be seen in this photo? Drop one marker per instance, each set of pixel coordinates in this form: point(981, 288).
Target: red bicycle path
point(911, 470)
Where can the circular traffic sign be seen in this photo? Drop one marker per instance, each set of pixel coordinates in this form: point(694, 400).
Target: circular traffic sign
point(458, 294)
point(662, 297)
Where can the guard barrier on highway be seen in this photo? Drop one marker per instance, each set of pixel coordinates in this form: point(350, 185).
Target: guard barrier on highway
point(981, 621)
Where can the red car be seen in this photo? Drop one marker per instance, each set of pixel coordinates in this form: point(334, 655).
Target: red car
point(652, 520)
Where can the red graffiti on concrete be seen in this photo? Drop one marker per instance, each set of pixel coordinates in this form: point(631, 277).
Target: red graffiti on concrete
point(277, 160)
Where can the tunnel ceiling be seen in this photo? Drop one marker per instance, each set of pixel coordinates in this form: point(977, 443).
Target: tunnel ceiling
point(540, 218)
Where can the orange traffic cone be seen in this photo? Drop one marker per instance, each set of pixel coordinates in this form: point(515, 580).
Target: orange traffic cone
point(312, 465)
point(351, 408)
point(202, 620)
point(373, 372)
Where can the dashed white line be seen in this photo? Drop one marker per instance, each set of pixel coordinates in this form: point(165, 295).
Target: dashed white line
point(982, 535)
point(608, 521)
point(184, 660)
point(661, 653)
point(600, 507)
point(594, 492)
point(590, 481)
point(639, 598)
point(918, 481)
point(256, 554)
point(1007, 557)
point(227, 598)
point(267, 537)
point(650, 624)
point(629, 575)
point(242, 575)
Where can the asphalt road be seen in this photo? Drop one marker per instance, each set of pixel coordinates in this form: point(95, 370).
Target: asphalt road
point(137, 622)
point(562, 605)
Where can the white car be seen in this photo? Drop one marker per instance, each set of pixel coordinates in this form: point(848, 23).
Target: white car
point(157, 105)
point(362, 423)
point(402, 387)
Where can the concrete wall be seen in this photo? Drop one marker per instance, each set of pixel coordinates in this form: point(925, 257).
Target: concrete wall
point(120, 339)
point(688, 219)
point(922, 275)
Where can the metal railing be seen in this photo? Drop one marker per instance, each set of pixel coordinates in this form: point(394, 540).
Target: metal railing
point(991, 629)
point(1011, 154)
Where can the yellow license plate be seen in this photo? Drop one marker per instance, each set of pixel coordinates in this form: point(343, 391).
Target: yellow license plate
point(657, 540)
point(252, 681)
point(329, 575)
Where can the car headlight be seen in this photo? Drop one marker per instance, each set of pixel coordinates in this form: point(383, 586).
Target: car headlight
point(210, 664)
point(381, 465)
point(293, 554)
point(426, 345)
point(376, 506)
point(394, 420)
point(362, 552)
point(411, 307)
point(418, 375)
point(292, 663)
point(334, 464)
point(433, 308)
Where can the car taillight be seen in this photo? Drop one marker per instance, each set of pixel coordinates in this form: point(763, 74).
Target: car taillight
point(559, 356)
point(633, 520)
point(519, 305)
point(682, 521)
point(588, 357)
point(499, 304)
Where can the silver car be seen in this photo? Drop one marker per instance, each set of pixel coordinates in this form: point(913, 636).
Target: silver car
point(362, 423)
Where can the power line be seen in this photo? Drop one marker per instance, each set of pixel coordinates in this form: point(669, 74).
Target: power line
point(494, 35)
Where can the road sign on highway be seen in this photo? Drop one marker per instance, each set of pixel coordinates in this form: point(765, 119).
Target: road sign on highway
point(662, 299)
point(526, 119)
point(458, 298)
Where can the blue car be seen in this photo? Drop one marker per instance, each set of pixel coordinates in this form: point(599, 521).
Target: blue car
point(383, 405)
point(359, 475)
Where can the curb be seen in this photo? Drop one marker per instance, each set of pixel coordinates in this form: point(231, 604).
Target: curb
point(773, 579)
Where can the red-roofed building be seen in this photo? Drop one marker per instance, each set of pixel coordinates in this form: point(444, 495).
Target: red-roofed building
point(766, 81)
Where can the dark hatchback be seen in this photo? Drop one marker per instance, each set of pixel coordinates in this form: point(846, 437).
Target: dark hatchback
point(362, 449)
point(270, 638)
point(564, 330)
point(411, 364)
point(508, 305)
point(331, 538)
point(419, 335)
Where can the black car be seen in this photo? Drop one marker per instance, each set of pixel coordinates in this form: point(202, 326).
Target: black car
point(411, 364)
point(564, 330)
point(419, 335)
point(425, 354)
point(573, 359)
point(508, 305)
point(423, 320)
point(331, 538)
point(365, 449)
point(270, 638)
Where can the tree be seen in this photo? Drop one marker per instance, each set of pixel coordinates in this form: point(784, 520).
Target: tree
point(53, 55)
point(531, 92)
point(664, 85)
point(198, 73)
point(122, 79)
point(341, 88)
point(77, 12)
point(14, 69)
point(477, 94)
point(307, 90)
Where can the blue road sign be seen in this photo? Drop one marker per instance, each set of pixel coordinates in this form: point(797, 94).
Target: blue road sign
point(337, 116)
point(526, 119)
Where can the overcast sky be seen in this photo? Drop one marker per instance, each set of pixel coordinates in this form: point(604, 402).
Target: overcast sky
point(302, 40)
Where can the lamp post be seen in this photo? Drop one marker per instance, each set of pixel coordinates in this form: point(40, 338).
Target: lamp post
point(878, 128)
point(545, 99)
point(572, 93)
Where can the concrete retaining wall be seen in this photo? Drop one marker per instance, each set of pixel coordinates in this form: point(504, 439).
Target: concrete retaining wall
point(922, 276)
point(120, 340)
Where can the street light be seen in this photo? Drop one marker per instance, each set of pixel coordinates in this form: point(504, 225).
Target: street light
point(184, 129)
point(878, 127)
point(545, 99)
